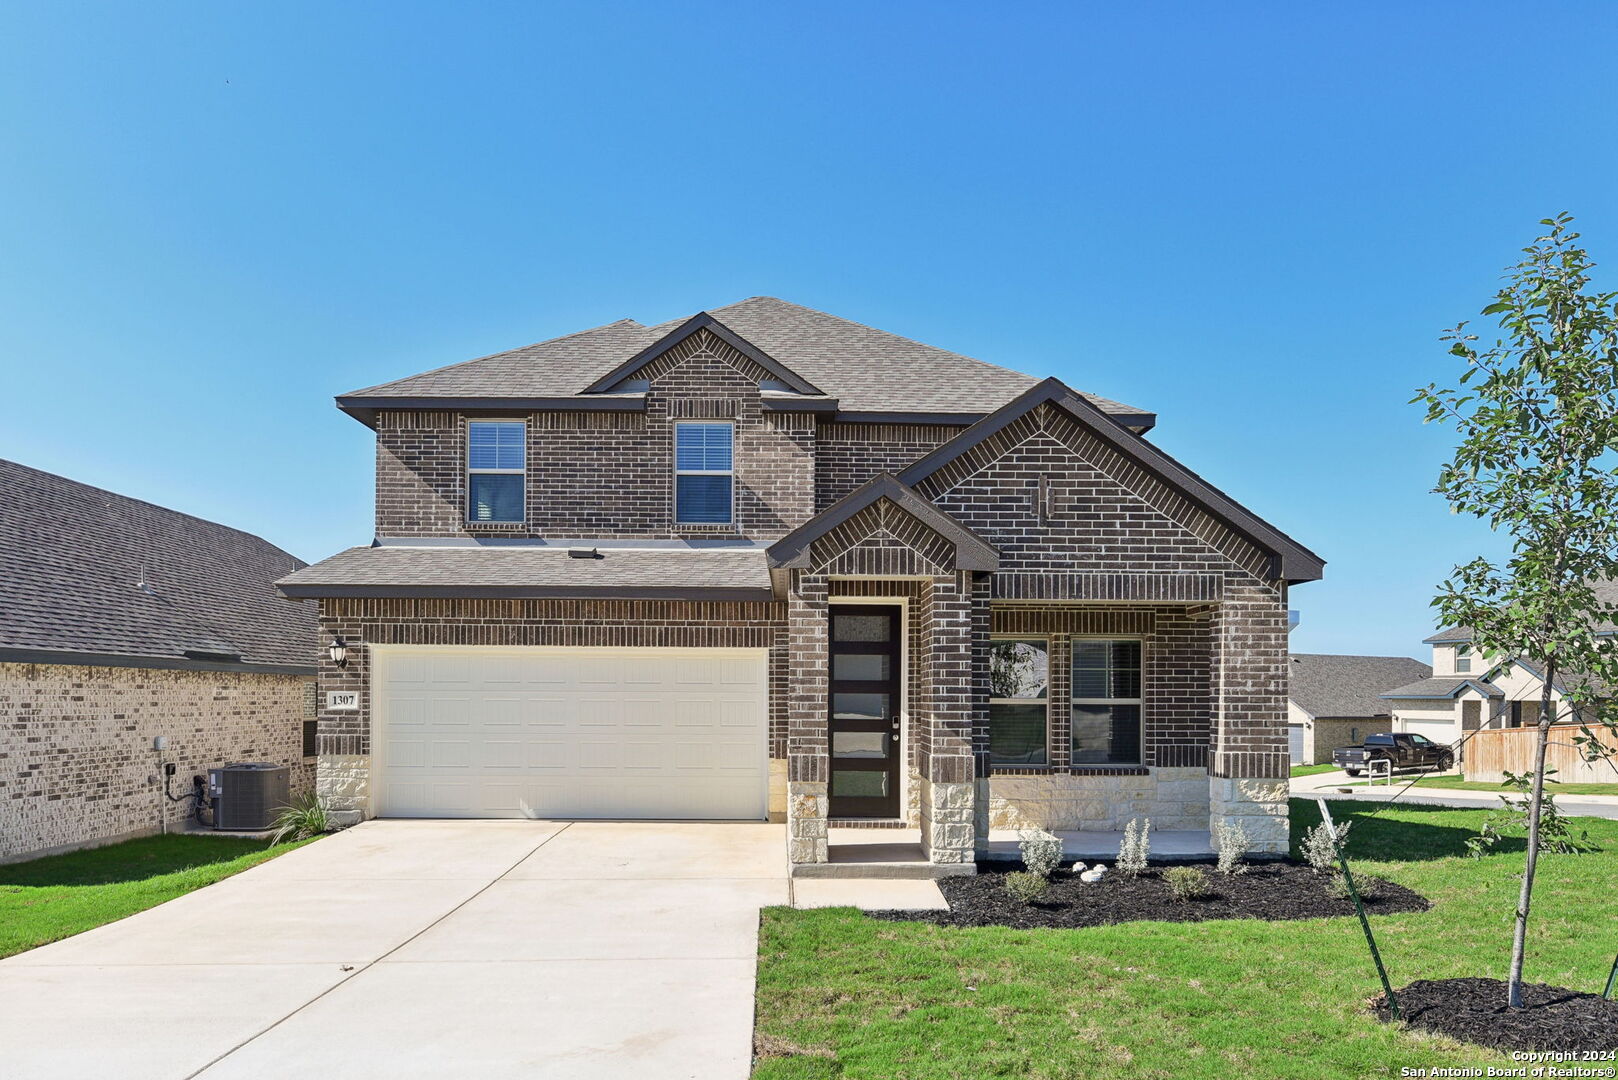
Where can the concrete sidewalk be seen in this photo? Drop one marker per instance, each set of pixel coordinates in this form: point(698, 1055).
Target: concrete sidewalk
point(427, 949)
point(1335, 785)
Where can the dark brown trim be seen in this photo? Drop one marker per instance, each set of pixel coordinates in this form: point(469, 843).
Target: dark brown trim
point(65, 658)
point(972, 552)
point(364, 409)
point(787, 404)
point(698, 322)
point(746, 594)
point(1137, 422)
point(1294, 562)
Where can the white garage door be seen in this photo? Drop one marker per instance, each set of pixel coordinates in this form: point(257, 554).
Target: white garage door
point(1295, 743)
point(1439, 731)
point(570, 732)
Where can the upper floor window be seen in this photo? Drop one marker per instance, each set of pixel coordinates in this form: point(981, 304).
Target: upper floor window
point(703, 477)
point(1106, 702)
point(1463, 659)
point(495, 463)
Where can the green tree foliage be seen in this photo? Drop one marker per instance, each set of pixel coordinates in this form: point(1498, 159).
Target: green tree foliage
point(1537, 417)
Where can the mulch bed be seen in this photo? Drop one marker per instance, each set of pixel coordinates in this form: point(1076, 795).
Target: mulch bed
point(1274, 890)
point(1475, 1011)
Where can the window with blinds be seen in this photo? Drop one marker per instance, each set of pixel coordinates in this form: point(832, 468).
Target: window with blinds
point(704, 479)
point(496, 456)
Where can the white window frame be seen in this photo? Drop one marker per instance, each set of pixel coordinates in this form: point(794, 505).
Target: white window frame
point(679, 472)
point(1139, 702)
point(522, 472)
point(1463, 659)
point(1045, 701)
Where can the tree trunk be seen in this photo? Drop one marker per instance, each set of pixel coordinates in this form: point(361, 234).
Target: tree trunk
point(1519, 937)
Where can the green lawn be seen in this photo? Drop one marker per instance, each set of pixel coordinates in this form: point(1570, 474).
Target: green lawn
point(1310, 770)
point(48, 899)
point(1455, 783)
point(840, 995)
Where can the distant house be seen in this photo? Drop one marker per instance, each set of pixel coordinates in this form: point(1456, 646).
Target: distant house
point(121, 622)
point(1337, 700)
point(1469, 690)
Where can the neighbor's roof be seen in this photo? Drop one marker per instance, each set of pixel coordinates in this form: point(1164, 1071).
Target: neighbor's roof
point(1343, 686)
point(72, 562)
point(531, 570)
point(1443, 688)
point(1606, 592)
point(864, 370)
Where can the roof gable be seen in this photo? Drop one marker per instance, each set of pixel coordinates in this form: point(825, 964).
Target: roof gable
point(1177, 484)
point(1348, 686)
point(967, 550)
point(698, 323)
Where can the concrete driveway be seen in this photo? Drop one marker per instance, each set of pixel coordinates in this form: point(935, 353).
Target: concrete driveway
point(422, 949)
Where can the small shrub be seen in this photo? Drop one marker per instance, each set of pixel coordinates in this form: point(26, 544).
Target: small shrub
point(1026, 886)
point(1370, 888)
point(1041, 852)
point(1231, 841)
point(1319, 851)
point(1136, 848)
point(304, 818)
point(1187, 883)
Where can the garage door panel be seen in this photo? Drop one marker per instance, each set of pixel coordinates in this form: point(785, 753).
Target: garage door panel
point(559, 732)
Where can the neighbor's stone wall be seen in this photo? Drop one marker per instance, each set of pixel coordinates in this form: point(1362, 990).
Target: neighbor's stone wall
point(76, 757)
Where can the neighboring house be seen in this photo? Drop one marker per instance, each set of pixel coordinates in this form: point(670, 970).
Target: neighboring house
point(121, 622)
point(769, 562)
point(1336, 701)
point(1468, 691)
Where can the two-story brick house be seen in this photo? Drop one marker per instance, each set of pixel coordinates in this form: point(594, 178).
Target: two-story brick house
point(766, 562)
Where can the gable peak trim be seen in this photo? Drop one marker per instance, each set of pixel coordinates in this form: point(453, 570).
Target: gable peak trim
point(694, 325)
point(972, 552)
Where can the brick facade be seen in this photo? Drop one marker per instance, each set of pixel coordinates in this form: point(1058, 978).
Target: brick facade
point(76, 756)
point(1090, 544)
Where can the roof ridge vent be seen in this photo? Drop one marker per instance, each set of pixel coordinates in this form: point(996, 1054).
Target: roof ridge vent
point(584, 553)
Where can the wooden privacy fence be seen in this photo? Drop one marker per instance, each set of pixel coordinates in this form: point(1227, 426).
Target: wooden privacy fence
point(1491, 753)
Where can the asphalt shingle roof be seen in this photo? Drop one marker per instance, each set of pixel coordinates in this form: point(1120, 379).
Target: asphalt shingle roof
point(1332, 686)
point(1441, 688)
point(72, 558)
point(865, 369)
point(545, 569)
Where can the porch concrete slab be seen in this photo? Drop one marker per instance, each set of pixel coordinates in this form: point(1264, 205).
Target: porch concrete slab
point(599, 850)
point(142, 1022)
point(442, 850)
point(537, 919)
point(248, 920)
point(1170, 844)
point(868, 894)
point(535, 1020)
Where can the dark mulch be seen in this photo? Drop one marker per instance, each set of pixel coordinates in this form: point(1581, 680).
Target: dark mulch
point(1475, 1011)
point(1275, 890)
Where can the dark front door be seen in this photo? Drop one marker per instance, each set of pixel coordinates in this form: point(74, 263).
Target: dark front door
point(863, 711)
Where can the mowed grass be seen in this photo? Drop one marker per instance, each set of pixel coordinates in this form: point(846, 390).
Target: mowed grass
point(1311, 770)
point(843, 996)
point(47, 899)
point(1455, 783)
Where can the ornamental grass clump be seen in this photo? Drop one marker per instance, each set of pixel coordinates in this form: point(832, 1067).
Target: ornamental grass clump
point(1136, 847)
point(306, 817)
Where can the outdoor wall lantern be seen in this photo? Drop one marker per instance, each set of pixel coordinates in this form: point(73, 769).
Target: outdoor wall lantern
point(338, 651)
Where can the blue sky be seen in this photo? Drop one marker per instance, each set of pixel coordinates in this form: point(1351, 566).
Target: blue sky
point(1254, 219)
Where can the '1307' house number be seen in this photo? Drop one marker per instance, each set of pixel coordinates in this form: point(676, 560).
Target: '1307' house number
point(342, 700)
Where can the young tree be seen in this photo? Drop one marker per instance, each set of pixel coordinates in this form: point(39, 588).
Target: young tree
point(1537, 416)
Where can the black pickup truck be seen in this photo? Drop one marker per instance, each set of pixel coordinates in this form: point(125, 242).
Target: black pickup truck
point(1403, 751)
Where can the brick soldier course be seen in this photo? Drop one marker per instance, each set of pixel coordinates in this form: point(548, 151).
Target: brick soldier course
point(866, 467)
